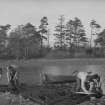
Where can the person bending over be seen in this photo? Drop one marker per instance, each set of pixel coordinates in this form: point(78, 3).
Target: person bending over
point(84, 78)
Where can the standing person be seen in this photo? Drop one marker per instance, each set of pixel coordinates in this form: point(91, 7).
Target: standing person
point(12, 76)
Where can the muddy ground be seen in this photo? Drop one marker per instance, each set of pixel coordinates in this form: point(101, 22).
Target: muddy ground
point(46, 95)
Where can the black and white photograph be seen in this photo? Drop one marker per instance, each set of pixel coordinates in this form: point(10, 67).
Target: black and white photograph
point(52, 52)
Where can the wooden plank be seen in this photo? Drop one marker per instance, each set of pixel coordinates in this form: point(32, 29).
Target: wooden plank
point(85, 93)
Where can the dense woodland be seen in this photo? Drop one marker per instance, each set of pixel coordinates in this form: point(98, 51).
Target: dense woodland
point(70, 40)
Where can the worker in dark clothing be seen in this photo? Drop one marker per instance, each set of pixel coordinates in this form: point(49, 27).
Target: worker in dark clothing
point(12, 77)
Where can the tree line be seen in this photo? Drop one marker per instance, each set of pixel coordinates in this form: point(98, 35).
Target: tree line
point(27, 41)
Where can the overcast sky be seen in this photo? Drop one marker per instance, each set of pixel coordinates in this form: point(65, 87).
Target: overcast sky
point(17, 12)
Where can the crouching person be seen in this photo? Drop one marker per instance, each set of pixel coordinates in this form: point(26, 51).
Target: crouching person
point(12, 76)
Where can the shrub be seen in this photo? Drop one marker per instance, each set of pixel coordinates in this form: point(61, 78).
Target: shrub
point(58, 54)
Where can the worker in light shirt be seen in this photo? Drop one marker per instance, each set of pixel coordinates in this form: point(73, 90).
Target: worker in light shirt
point(83, 78)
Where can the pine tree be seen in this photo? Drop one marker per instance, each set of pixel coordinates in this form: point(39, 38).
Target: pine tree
point(43, 29)
point(94, 30)
point(69, 33)
point(60, 32)
point(75, 32)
